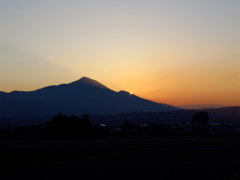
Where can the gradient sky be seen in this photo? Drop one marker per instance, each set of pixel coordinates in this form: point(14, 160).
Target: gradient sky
point(170, 51)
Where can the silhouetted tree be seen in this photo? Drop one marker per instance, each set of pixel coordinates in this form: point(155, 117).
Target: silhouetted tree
point(200, 118)
point(179, 130)
point(159, 129)
point(62, 125)
point(128, 126)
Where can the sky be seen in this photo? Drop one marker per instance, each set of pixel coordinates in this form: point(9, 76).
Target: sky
point(169, 51)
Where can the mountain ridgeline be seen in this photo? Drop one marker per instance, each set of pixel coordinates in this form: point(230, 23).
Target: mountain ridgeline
point(79, 97)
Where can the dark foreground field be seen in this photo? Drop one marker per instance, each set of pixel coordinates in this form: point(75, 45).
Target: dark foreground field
point(165, 158)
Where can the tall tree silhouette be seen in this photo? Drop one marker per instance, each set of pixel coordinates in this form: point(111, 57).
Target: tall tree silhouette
point(68, 126)
point(200, 118)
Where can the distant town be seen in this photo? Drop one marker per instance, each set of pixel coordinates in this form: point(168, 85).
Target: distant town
point(222, 121)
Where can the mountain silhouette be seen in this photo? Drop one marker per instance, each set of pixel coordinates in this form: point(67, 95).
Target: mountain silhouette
point(79, 97)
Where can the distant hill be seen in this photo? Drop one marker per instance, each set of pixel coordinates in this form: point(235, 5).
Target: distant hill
point(225, 115)
point(82, 96)
point(200, 106)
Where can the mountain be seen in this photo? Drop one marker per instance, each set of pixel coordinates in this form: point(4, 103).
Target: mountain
point(82, 96)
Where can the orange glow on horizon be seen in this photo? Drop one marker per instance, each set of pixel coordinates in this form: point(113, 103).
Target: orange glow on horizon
point(174, 52)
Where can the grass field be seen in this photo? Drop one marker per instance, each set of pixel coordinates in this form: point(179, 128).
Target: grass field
point(164, 158)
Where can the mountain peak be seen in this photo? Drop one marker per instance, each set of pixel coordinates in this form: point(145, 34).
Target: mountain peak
point(88, 81)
